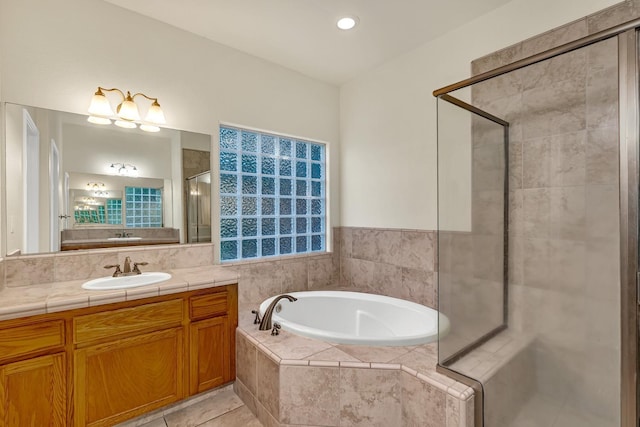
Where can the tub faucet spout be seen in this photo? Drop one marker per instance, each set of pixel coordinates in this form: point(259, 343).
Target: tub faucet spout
point(265, 324)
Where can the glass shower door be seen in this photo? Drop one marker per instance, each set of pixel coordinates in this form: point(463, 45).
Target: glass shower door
point(529, 240)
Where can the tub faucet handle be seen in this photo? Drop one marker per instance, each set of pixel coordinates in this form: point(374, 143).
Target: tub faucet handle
point(276, 328)
point(257, 319)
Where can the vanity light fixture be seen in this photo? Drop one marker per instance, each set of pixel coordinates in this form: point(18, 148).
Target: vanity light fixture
point(127, 114)
point(123, 169)
point(101, 193)
point(347, 22)
point(95, 186)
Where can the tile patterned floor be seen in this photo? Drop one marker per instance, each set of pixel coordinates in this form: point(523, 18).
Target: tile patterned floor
point(222, 409)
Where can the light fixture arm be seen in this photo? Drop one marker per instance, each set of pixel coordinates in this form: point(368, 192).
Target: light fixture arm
point(155, 100)
point(114, 89)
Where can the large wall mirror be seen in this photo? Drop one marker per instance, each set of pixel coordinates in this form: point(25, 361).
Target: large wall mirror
point(71, 184)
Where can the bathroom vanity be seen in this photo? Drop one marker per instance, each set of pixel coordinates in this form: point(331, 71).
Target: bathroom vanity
point(98, 366)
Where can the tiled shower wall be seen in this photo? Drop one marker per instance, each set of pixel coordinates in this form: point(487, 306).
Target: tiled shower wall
point(563, 207)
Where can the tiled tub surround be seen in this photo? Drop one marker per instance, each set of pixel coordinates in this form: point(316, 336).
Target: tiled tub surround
point(393, 262)
point(288, 380)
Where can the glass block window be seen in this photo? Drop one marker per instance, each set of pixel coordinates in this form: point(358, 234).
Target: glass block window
point(143, 207)
point(114, 211)
point(272, 195)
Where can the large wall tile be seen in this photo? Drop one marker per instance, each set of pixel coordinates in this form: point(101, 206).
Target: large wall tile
point(310, 396)
point(555, 37)
point(571, 66)
point(557, 108)
point(258, 282)
point(321, 273)
point(85, 266)
point(268, 384)
point(369, 397)
point(614, 15)
point(29, 271)
point(246, 359)
point(497, 59)
point(417, 250)
point(293, 275)
point(602, 156)
point(422, 404)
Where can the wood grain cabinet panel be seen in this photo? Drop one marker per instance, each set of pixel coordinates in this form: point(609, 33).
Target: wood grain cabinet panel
point(204, 306)
point(127, 321)
point(210, 354)
point(128, 377)
point(29, 339)
point(33, 392)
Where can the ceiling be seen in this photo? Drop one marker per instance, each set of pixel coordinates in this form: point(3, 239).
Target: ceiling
point(302, 34)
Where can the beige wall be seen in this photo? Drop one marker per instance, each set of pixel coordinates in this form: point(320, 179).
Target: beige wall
point(73, 46)
point(388, 116)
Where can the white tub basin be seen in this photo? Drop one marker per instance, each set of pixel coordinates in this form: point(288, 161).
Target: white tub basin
point(123, 239)
point(358, 318)
point(124, 282)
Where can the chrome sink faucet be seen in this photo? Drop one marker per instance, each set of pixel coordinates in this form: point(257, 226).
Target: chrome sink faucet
point(265, 324)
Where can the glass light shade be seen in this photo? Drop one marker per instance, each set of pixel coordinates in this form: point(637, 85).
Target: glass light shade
point(100, 105)
point(155, 114)
point(125, 124)
point(149, 128)
point(128, 110)
point(99, 120)
point(346, 23)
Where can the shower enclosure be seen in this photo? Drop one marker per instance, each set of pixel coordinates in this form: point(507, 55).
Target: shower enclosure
point(199, 208)
point(537, 234)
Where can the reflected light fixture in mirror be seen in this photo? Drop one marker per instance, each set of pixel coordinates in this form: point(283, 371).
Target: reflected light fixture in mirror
point(95, 186)
point(123, 169)
point(127, 114)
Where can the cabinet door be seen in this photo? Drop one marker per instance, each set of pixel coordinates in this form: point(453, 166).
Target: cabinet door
point(33, 392)
point(210, 354)
point(128, 377)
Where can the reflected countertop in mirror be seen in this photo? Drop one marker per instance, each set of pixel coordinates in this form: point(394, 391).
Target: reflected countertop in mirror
point(72, 184)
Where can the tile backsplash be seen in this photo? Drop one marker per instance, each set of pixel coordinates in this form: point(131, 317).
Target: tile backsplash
point(393, 262)
point(80, 265)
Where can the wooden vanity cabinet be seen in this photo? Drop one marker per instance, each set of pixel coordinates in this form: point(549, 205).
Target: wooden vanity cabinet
point(102, 365)
point(128, 361)
point(212, 340)
point(33, 385)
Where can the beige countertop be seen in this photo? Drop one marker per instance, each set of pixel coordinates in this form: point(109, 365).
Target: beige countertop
point(54, 297)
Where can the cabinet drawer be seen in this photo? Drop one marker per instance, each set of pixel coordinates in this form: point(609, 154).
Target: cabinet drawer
point(28, 339)
point(125, 321)
point(208, 305)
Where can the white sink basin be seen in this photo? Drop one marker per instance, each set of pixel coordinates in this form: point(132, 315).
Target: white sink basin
point(123, 239)
point(124, 282)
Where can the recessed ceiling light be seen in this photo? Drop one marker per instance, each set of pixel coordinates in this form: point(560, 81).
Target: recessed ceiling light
point(347, 23)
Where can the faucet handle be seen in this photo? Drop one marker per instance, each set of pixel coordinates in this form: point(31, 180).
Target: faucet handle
point(117, 272)
point(257, 319)
point(276, 328)
point(135, 267)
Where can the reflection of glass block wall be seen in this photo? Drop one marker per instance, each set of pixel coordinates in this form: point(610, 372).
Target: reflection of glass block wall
point(114, 211)
point(90, 215)
point(143, 207)
point(272, 195)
